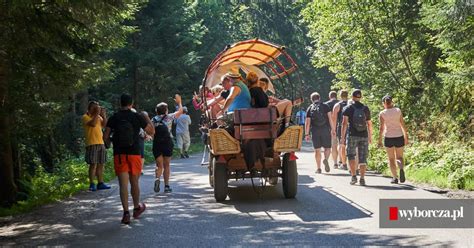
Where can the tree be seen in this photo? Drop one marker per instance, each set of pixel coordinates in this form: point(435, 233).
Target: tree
point(49, 50)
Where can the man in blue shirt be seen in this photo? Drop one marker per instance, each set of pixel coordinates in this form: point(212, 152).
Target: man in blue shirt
point(300, 117)
point(183, 139)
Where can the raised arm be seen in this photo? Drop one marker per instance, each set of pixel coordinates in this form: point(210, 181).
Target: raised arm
point(179, 112)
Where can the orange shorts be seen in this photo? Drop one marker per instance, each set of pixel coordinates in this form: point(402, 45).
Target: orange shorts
point(128, 163)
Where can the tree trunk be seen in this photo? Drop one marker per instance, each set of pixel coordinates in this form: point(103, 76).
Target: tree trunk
point(8, 187)
point(135, 73)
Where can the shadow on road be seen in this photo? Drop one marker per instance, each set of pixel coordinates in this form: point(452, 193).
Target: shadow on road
point(191, 217)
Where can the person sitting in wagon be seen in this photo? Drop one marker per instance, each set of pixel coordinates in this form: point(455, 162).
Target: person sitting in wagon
point(258, 97)
point(284, 106)
point(239, 94)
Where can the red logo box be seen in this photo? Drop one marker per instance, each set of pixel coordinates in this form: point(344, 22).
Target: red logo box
point(393, 213)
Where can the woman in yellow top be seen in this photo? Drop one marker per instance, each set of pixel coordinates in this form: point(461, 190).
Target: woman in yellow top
point(96, 155)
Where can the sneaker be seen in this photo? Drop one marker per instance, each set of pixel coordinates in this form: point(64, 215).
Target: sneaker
point(402, 176)
point(101, 186)
point(138, 211)
point(186, 155)
point(326, 165)
point(157, 185)
point(344, 166)
point(168, 189)
point(182, 156)
point(318, 171)
point(394, 180)
point(353, 180)
point(92, 187)
point(126, 218)
point(336, 166)
point(362, 182)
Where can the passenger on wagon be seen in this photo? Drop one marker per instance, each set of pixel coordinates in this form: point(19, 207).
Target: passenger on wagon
point(197, 102)
point(239, 94)
point(284, 106)
point(258, 97)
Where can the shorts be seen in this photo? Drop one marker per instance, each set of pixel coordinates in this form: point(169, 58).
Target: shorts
point(130, 163)
point(357, 145)
point(96, 154)
point(141, 144)
point(321, 138)
point(163, 148)
point(183, 139)
point(394, 142)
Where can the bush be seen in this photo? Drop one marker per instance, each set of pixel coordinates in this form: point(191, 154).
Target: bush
point(446, 165)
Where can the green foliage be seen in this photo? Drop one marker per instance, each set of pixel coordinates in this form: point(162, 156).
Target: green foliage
point(446, 165)
point(416, 51)
point(43, 187)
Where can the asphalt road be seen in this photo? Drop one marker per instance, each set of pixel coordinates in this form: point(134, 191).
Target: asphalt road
point(326, 212)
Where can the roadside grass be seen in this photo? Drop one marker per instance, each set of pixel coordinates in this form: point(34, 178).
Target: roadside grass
point(68, 178)
point(448, 165)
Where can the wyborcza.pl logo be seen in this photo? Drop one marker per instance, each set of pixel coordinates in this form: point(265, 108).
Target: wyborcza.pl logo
point(426, 213)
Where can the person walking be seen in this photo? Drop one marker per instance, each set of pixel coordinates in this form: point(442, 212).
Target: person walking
point(96, 155)
point(392, 128)
point(319, 121)
point(337, 119)
point(357, 135)
point(183, 139)
point(332, 101)
point(125, 127)
point(163, 142)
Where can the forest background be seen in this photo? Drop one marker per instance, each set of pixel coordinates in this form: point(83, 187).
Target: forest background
point(55, 56)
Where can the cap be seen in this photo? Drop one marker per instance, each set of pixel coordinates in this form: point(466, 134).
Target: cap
point(357, 93)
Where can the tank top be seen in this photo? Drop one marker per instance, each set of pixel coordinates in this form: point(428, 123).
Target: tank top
point(242, 100)
point(393, 127)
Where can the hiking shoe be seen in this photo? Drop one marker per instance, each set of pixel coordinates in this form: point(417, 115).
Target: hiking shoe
point(344, 166)
point(168, 189)
point(362, 182)
point(138, 211)
point(92, 187)
point(326, 165)
point(318, 171)
point(101, 186)
point(157, 185)
point(126, 218)
point(353, 180)
point(402, 176)
point(394, 181)
point(336, 166)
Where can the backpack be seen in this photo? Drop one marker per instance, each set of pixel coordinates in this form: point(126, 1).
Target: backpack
point(124, 134)
point(161, 130)
point(318, 118)
point(359, 120)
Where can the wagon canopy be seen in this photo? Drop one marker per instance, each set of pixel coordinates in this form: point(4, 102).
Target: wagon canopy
point(251, 55)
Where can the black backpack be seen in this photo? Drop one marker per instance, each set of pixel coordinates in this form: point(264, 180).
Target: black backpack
point(359, 120)
point(124, 134)
point(162, 132)
point(318, 117)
